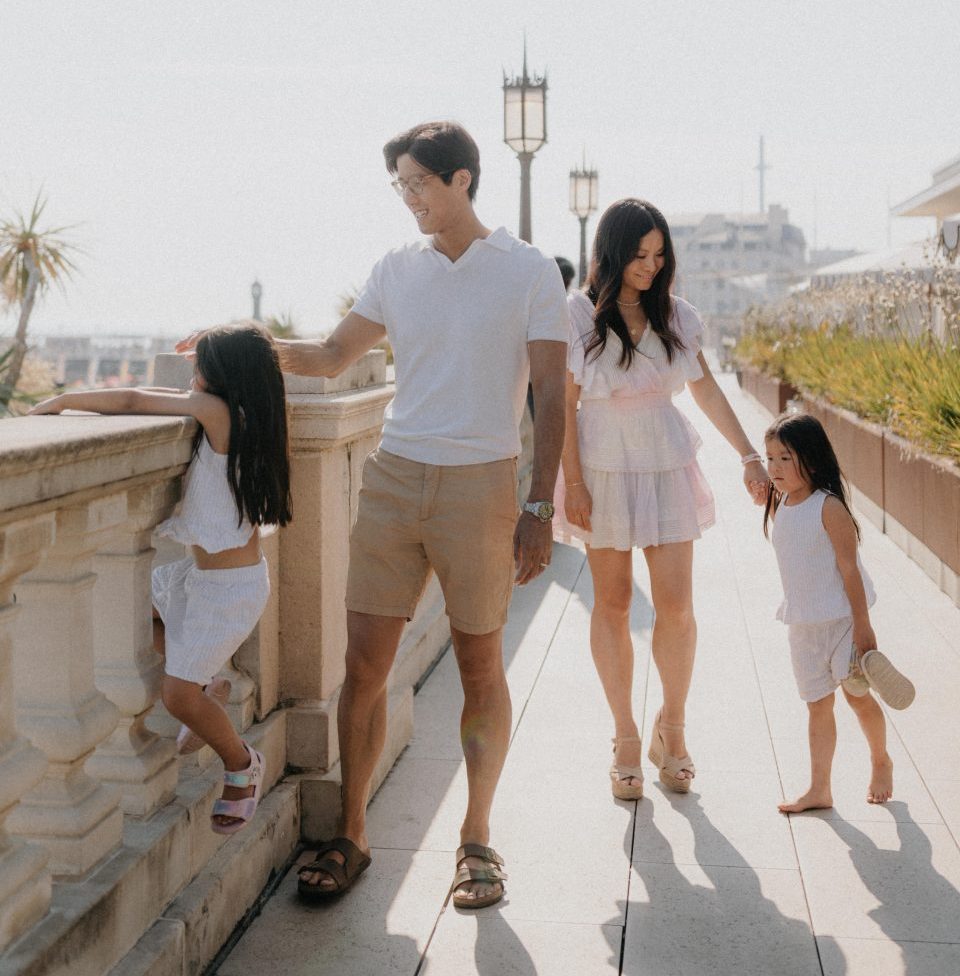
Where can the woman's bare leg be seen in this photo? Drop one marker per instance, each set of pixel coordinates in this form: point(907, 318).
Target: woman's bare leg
point(674, 639)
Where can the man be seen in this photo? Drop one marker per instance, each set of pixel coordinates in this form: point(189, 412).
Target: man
point(467, 313)
point(567, 271)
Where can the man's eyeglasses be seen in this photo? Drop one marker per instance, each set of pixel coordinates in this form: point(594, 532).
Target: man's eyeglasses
point(415, 183)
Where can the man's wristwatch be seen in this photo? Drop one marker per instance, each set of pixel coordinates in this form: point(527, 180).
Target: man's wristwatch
point(542, 510)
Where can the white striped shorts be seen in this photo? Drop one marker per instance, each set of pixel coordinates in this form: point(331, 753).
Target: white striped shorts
point(820, 654)
point(207, 614)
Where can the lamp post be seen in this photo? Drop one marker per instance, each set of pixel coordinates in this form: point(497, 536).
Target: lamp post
point(525, 129)
point(256, 290)
point(583, 202)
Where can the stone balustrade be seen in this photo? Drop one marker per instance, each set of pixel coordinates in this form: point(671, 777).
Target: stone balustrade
point(107, 862)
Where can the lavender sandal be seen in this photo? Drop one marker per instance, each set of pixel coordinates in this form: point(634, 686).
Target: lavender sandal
point(241, 811)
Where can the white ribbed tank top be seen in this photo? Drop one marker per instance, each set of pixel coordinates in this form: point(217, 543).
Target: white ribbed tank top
point(812, 586)
point(207, 515)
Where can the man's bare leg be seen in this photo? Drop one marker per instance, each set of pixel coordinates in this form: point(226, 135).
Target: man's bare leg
point(372, 643)
point(485, 735)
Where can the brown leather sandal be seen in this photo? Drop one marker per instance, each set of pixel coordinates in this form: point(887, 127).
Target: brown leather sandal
point(343, 875)
point(489, 872)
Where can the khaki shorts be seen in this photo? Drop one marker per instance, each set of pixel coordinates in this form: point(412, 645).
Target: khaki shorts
point(457, 520)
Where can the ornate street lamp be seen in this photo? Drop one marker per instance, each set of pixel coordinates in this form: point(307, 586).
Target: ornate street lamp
point(256, 290)
point(525, 129)
point(583, 202)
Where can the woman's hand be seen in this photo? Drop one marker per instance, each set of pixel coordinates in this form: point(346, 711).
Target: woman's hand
point(757, 481)
point(577, 506)
point(53, 405)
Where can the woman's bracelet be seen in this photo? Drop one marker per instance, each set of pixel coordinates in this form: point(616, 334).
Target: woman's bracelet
point(749, 458)
point(575, 484)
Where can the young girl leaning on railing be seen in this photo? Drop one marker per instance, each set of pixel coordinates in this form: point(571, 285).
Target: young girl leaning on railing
point(238, 480)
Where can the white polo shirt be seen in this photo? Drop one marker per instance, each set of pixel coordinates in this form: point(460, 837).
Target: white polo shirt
point(459, 332)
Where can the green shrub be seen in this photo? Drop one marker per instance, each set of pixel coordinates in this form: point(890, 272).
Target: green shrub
point(870, 347)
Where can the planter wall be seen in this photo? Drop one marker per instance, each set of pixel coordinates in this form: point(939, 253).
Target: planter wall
point(859, 446)
point(771, 393)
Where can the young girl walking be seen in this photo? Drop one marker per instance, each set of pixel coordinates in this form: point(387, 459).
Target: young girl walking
point(827, 594)
point(237, 481)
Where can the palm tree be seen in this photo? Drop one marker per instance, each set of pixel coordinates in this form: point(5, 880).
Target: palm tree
point(30, 261)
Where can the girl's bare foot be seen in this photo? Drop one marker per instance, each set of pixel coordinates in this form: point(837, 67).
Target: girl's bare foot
point(881, 782)
point(809, 801)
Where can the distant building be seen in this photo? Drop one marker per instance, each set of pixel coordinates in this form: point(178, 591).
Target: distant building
point(941, 199)
point(728, 262)
point(99, 360)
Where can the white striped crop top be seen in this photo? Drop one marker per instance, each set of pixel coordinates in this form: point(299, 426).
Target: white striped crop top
point(207, 514)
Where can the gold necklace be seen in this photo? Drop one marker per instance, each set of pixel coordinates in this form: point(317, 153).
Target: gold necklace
point(628, 304)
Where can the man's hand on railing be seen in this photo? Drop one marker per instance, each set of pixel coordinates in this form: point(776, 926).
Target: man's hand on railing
point(188, 347)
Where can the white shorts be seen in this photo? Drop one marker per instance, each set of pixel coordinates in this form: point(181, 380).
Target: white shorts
point(820, 654)
point(207, 614)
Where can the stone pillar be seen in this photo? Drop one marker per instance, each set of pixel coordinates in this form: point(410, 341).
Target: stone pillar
point(331, 436)
point(58, 705)
point(128, 670)
point(24, 878)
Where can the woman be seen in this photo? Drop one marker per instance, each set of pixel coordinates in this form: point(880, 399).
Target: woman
point(631, 475)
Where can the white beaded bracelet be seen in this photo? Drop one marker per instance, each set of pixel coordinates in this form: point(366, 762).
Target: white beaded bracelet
point(748, 458)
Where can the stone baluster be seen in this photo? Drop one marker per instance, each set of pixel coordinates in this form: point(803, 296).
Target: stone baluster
point(58, 705)
point(24, 878)
point(128, 669)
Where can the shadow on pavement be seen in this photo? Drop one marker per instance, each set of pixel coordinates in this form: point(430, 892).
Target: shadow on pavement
point(715, 918)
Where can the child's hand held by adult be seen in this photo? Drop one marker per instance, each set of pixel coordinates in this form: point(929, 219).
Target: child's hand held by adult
point(756, 480)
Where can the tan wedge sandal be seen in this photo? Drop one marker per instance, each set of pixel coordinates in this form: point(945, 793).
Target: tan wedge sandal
point(669, 765)
point(619, 774)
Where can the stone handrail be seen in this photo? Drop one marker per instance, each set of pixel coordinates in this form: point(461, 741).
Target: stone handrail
point(107, 862)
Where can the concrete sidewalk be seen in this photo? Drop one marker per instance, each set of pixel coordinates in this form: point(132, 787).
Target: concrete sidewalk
point(715, 882)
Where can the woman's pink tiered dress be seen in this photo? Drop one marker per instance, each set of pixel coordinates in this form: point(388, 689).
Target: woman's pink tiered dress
point(637, 451)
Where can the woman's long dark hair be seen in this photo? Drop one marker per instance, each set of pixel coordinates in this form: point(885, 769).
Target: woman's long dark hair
point(623, 225)
point(807, 441)
point(239, 364)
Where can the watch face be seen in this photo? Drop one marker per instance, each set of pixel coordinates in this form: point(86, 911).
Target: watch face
point(542, 510)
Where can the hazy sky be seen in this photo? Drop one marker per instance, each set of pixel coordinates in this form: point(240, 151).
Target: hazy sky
point(201, 145)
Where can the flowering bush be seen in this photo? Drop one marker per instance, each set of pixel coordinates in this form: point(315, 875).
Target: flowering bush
point(885, 346)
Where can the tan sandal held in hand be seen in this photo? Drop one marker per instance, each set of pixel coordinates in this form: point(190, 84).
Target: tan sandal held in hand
point(490, 873)
point(669, 765)
point(619, 774)
point(894, 688)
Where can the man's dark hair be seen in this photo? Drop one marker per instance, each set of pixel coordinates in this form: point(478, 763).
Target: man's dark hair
point(567, 270)
point(441, 147)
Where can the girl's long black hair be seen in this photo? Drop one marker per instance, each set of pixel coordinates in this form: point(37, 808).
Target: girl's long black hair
point(239, 364)
point(623, 225)
point(807, 441)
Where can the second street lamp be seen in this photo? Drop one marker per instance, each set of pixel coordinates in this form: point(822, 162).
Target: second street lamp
point(525, 130)
point(583, 202)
